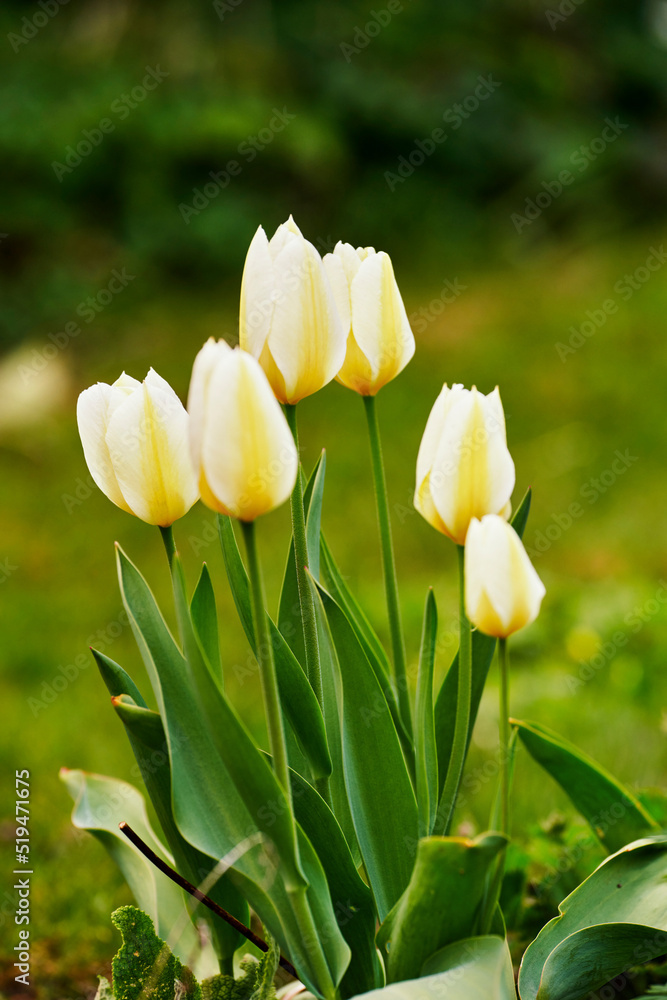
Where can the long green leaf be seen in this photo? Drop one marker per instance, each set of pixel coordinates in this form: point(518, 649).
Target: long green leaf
point(519, 518)
point(212, 810)
point(289, 609)
point(247, 766)
point(615, 815)
point(208, 808)
point(352, 899)
point(616, 919)
point(367, 638)
point(149, 743)
point(313, 509)
point(246, 770)
point(446, 869)
point(483, 647)
point(426, 758)
point(332, 708)
point(205, 620)
point(478, 968)
point(101, 803)
point(382, 801)
point(117, 680)
point(297, 698)
point(339, 589)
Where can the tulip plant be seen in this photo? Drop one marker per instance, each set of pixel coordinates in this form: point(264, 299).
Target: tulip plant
point(337, 831)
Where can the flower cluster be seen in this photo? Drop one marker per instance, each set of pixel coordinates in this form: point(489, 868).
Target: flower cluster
point(304, 321)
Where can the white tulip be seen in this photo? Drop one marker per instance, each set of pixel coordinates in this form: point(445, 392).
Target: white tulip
point(464, 468)
point(135, 442)
point(378, 335)
point(503, 593)
point(289, 320)
point(241, 444)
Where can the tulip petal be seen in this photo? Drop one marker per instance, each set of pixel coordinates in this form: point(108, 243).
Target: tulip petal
point(473, 472)
point(147, 438)
point(258, 294)
point(248, 452)
point(282, 234)
point(350, 259)
point(356, 372)
point(503, 590)
point(379, 324)
point(306, 341)
point(428, 449)
point(93, 411)
point(340, 286)
point(202, 371)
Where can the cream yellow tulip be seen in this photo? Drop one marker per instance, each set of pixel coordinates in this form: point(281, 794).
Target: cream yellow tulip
point(379, 339)
point(289, 320)
point(464, 468)
point(241, 446)
point(135, 441)
point(503, 593)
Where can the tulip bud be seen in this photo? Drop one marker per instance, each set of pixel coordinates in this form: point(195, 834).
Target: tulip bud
point(378, 335)
point(503, 593)
point(135, 441)
point(464, 468)
point(289, 320)
point(241, 444)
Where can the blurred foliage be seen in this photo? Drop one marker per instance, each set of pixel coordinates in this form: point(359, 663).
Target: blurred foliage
point(364, 86)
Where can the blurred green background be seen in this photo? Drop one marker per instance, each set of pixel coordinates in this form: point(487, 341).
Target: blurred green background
point(512, 159)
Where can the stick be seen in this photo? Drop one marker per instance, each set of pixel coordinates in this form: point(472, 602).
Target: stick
point(127, 830)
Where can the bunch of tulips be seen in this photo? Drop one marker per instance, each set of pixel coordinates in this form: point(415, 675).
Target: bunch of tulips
point(343, 792)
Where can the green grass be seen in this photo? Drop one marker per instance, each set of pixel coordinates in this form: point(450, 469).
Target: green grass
point(565, 421)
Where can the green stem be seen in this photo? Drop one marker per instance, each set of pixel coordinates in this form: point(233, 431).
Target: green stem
point(462, 724)
point(503, 661)
point(311, 938)
point(496, 885)
point(169, 544)
point(306, 599)
point(388, 563)
point(267, 667)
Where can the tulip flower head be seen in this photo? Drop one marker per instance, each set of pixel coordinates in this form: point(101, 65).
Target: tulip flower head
point(503, 593)
point(464, 468)
point(289, 320)
point(135, 441)
point(378, 335)
point(242, 448)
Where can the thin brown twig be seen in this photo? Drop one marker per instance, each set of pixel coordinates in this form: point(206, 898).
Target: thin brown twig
point(127, 830)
